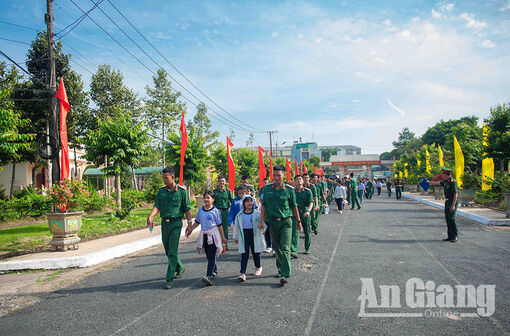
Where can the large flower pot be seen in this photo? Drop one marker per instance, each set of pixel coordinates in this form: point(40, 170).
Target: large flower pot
point(507, 204)
point(65, 227)
point(467, 197)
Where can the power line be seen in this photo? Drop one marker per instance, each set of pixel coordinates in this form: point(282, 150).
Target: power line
point(175, 68)
point(23, 69)
point(157, 64)
point(17, 25)
point(77, 21)
point(15, 41)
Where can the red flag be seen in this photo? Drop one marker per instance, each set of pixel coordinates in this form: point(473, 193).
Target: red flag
point(262, 167)
point(231, 167)
point(314, 170)
point(304, 168)
point(296, 168)
point(64, 109)
point(184, 146)
point(288, 169)
point(270, 167)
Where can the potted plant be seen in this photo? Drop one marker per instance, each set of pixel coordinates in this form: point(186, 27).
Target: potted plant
point(470, 184)
point(64, 223)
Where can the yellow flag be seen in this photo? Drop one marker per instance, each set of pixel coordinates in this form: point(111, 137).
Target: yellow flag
point(427, 161)
point(400, 174)
point(406, 173)
point(487, 163)
point(418, 162)
point(440, 151)
point(459, 162)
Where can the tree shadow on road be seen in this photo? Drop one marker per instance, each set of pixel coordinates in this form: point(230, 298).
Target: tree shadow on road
point(365, 239)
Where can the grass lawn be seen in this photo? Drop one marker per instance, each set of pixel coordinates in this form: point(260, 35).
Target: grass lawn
point(35, 237)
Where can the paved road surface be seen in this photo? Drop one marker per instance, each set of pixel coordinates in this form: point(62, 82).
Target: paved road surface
point(389, 241)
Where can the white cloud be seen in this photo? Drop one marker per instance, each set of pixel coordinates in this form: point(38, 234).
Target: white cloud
point(446, 7)
point(436, 15)
point(487, 44)
point(275, 34)
point(401, 112)
point(362, 75)
point(387, 22)
point(505, 7)
point(471, 22)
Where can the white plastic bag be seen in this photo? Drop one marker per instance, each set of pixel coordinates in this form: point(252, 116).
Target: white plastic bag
point(326, 209)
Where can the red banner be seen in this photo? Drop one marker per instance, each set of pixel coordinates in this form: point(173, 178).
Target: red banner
point(184, 146)
point(296, 168)
point(262, 167)
point(288, 169)
point(304, 168)
point(64, 109)
point(231, 167)
point(270, 167)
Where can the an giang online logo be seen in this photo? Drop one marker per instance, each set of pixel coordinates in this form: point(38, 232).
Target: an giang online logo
point(425, 299)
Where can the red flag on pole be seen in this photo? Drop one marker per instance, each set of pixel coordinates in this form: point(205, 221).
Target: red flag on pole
point(64, 109)
point(262, 167)
point(314, 170)
point(296, 168)
point(184, 146)
point(270, 166)
point(304, 168)
point(288, 169)
point(231, 167)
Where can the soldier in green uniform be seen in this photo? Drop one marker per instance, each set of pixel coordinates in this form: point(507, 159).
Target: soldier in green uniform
point(222, 200)
point(399, 186)
point(388, 186)
point(172, 202)
point(370, 189)
point(278, 206)
point(353, 185)
point(331, 187)
point(321, 199)
point(315, 209)
point(451, 195)
point(304, 200)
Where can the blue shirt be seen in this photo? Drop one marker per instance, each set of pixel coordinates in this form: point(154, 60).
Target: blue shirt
point(247, 220)
point(235, 208)
point(208, 218)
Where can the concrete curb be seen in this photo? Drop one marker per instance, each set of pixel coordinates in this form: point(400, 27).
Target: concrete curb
point(462, 213)
point(86, 260)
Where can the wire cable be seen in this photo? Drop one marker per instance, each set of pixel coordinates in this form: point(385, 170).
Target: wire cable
point(175, 68)
point(159, 66)
point(17, 25)
point(15, 41)
point(76, 22)
point(23, 69)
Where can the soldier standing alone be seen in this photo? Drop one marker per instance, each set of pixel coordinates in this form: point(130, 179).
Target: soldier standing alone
point(451, 194)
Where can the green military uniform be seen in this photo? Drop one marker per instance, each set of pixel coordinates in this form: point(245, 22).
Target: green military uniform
point(303, 200)
point(331, 187)
point(370, 189)
point(279, 204)
point(388, 188)
point(398, 189)
point(450, 188)
point(320, 193)
point(172, 204)
point(353, 184)
point(223, 200)
point(314, 213)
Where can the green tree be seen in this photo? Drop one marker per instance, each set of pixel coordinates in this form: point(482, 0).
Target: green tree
point(407, 143)
point(111, 97)
point(247, 162)
point(498, 139)
point(315, 160)
point(196, 159)
point(326, 153)
point(162, 107)
point(122, 141)
point(203, 125)
point(250, 141)
point(219, 159)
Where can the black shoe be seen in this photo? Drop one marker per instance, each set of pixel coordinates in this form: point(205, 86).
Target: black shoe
point(284, 280)
point(277, 275)
point(359, 208)
point(314, 231)
point(214, 274)
point(207, 281)
point(447, 239)
point(169, 284)
point(453, 240)
point(294, 255)
point(179, 274)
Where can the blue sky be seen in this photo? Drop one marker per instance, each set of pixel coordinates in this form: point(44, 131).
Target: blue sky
point(336, 72)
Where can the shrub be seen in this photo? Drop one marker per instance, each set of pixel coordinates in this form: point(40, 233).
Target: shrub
point(94, 202)
point(152, 185)
point(471, 181)
point(130, 199)
point(67, 195)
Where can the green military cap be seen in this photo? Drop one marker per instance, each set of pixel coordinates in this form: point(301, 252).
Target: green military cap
point(446, 170)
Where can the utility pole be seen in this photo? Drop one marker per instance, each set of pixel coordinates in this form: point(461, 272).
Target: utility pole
point(271, 140)
point(53, 167)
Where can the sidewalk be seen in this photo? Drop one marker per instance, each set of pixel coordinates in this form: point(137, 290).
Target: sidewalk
point(90, 252)
point(481, 215)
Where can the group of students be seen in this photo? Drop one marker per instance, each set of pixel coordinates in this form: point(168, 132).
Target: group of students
point(270, 224)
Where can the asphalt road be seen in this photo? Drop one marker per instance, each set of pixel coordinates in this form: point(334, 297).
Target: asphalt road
point(387, 240)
